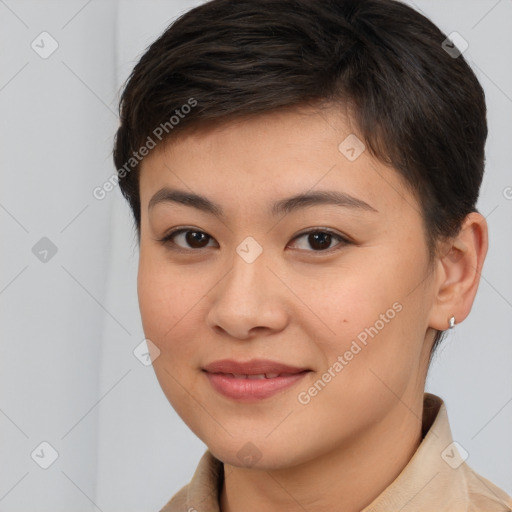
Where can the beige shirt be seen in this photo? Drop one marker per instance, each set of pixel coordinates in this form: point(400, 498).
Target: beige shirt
point(436, 479)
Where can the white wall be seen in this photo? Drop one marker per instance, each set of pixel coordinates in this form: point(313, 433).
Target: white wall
point(69, 326)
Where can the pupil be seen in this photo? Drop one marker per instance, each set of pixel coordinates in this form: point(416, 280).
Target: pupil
point(314, 238)
point(194, 237)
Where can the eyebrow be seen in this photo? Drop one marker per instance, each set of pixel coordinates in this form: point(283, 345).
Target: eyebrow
point(283, 206)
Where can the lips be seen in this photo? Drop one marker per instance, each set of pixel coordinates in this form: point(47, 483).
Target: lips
point(253, 380)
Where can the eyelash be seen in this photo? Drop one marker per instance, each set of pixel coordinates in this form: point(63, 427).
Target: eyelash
point(169, 243)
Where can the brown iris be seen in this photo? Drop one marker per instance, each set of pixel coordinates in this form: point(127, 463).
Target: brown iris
point(197, 239)
point(319, 240)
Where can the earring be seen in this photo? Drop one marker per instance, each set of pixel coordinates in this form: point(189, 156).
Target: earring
point(452, 322)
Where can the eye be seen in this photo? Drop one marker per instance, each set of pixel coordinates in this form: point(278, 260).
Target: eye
point(191, 238)
point(187, 239)
point(320, 239)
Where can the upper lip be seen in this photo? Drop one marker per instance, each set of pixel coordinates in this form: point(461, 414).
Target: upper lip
point(252, 367)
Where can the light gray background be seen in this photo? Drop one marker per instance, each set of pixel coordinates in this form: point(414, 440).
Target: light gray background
point(68, 375)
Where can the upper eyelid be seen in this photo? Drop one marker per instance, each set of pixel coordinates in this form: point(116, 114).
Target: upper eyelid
point(320, 230)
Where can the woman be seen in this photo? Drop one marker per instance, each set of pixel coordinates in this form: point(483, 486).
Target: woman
point(303, 177)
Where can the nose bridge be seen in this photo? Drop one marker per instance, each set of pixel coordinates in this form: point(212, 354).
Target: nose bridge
point(249, 267)
point(246, 297)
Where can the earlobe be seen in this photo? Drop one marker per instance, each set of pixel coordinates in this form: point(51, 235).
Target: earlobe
point(460, 270)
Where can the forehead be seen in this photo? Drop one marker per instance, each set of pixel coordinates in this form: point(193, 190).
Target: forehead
point(261, 159)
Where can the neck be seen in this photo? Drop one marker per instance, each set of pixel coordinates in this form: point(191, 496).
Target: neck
point(349, 477)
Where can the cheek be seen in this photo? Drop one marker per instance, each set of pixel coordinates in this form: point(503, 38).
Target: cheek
point(367, 317)
point(166, 299)
point(167, 302)
point(345, 301)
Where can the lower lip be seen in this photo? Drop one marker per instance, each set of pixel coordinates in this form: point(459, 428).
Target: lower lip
point(251, 389)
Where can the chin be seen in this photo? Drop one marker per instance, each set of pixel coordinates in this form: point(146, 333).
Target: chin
point(261, 455)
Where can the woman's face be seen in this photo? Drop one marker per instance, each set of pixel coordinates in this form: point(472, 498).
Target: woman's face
point(340, 289)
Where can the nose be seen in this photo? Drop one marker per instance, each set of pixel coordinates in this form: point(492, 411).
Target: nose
point(249, 300)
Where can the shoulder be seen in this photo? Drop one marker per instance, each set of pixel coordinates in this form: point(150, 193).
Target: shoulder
point(178, 502)
point(484, 495)
point(201, 494)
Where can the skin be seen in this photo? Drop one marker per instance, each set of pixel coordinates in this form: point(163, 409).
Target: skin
point(297, 305)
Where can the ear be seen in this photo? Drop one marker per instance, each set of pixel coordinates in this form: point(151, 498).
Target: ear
point(458, 272)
